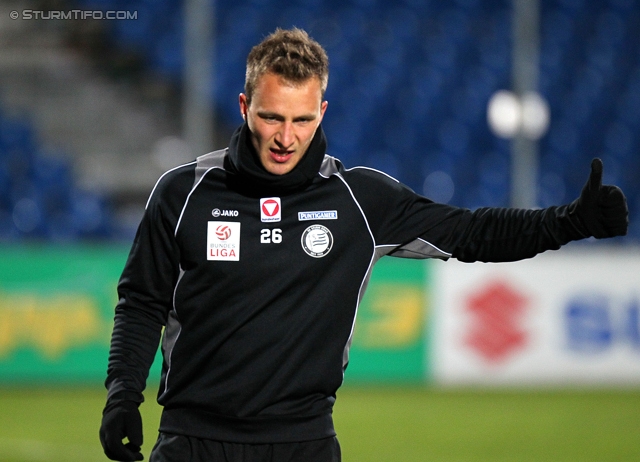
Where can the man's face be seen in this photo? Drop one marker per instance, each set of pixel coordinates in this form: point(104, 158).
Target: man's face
point(282, 118)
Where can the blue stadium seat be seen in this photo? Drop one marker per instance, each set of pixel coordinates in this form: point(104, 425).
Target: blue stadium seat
point(8, 232)
point(28, 217)
point(38, 193)
point(90, 215)
point(5, 185)
point(168, 56)
point(16, 134)
point(103, 5)
point(138, 35)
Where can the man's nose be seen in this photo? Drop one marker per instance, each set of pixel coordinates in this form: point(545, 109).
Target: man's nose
point(286, 135)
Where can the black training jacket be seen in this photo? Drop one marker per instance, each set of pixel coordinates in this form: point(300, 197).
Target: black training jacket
point(256, 279)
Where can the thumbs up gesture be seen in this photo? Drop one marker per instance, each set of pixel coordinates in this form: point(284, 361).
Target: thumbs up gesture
point(601, 209)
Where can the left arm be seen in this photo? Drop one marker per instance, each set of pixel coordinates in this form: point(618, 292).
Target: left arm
point(502, 234)
point(405, 224)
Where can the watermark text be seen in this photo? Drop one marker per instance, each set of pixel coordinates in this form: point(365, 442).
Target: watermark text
point(73, 14)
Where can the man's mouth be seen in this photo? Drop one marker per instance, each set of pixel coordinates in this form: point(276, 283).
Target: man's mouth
point(281, 155)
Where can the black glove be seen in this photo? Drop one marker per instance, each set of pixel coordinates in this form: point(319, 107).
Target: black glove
point(601, 209)
point(120, 419)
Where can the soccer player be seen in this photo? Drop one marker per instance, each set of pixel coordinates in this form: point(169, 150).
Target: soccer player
point(254, 259)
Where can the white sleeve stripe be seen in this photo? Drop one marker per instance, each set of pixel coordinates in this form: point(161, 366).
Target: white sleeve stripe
point(435, 247)
point(374, 170)
point(161, 177)
point(186, 202)
point(365, 280)
point(364, 217)
point(401, 247)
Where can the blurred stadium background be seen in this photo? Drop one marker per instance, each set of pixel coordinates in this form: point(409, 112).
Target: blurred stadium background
point(93, 111)
point(98, 102)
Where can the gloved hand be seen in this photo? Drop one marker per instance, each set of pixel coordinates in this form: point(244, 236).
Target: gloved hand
point(601, 209)
point(120, 419)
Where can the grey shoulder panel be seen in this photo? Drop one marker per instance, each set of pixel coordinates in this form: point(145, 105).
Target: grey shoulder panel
point(419, 249)
point(329, 166)
point(204, 164)
point(208, 161)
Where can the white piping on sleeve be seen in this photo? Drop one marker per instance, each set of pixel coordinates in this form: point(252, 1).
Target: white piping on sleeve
point(400, 247)
point(365, 279)
point(161, 177)
point(186, 202)
point(373, 170)
point(435, 247)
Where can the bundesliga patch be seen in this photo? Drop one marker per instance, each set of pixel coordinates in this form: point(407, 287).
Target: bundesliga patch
point(223, 241)
point(317, 241)
point(270, 209)
point(324, 215)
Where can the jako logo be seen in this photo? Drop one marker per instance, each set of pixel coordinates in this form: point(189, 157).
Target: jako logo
point(224, 213)
point(223, 232)
point(270, 209)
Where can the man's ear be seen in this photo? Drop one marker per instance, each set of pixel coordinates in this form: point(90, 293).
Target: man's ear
point(323, 108)
point(244, 106)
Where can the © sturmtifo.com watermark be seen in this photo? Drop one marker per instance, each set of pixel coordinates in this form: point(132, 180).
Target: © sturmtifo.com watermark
point(73, 14)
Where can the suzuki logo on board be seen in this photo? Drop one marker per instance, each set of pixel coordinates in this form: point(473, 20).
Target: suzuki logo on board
point(496, 329)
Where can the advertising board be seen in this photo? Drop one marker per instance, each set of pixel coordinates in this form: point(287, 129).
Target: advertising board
point(57, 307)
point(56, 312)
point(567, 317)
point(389, 341)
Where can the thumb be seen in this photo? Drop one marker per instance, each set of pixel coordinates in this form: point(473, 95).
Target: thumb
point(595, 179)
point(134, 429)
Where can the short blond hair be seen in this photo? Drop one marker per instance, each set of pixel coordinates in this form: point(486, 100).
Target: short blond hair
point(289, 53)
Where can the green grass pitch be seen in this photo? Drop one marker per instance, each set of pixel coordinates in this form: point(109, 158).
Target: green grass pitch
point(373, 423)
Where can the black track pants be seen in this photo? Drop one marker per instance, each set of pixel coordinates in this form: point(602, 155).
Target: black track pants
point(178, 448)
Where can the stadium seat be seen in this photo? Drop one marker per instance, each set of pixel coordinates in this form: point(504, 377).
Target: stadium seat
point(38, 191)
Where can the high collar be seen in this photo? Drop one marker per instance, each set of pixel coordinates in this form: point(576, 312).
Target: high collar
point(246, 163)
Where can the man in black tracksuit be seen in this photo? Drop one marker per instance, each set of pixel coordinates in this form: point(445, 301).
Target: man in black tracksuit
point(254, 260)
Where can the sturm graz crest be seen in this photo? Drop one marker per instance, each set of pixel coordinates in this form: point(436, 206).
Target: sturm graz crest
point(317, 241)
